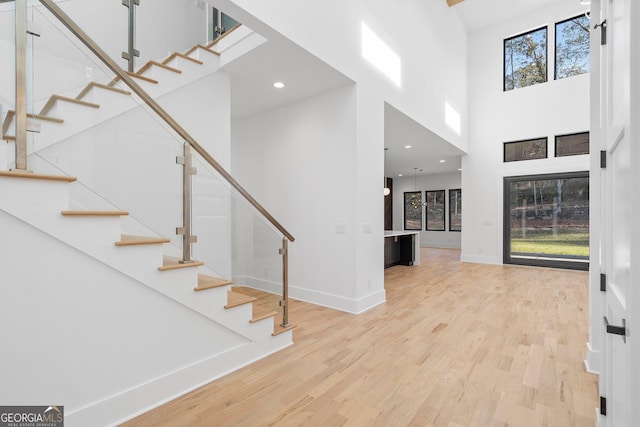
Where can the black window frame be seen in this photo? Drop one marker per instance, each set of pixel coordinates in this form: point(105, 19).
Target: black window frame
point(546, 149)
point(454, 191)
point(555, 48)
point(506, 225)
point(555, 146)
point(404, 211)
point(444, 210)
point(504, 58)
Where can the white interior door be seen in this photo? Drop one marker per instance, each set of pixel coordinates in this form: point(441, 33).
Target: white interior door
point(616, 382)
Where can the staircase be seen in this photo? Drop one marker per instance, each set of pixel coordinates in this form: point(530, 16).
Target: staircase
point(223, 327)
point(97, 233)
point(64, 115)
point(244, 332)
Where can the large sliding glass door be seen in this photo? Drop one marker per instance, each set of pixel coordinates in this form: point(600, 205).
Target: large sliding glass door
point(546, 220)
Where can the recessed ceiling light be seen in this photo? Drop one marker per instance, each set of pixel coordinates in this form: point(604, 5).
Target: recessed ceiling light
point(399, 174)
point(460, 169)
point(441, 161)
point(278, 85)
point(407, 146)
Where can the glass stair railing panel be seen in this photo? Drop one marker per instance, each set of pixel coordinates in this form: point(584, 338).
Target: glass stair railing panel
point(233, 236)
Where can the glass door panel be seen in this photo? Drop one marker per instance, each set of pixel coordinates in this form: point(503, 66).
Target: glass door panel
point(547, 220)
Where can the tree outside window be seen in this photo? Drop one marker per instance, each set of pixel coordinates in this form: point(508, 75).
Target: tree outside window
point(525, 59)
point(572, 47)
point(455, 210)
point(435, 210)
point(413, 210)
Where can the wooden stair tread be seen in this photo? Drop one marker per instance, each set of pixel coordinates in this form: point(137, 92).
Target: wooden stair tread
point(28, 175)
point(91, 85)
point(171, 263)
point(54, 98)
point(279, 329)
point(38, 117)
point(95, 213)
point(134, 75)
point(235, 299)
point(129, 240)
point(183, 56)
point(199, 46)
point(150, 64)
point(261, 313)
point(229, 31)
point(145, 78)
point(208, 282)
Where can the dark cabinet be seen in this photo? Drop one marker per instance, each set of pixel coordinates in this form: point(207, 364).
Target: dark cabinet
point(398, 250)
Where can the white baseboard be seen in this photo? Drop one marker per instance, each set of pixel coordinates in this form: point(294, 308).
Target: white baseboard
point(480, 259)
point(336, 302)
point(131, 403)
point(592, 361)
point(440, 245)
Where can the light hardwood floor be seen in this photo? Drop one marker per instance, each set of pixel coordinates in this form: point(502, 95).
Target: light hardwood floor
point(456, 344)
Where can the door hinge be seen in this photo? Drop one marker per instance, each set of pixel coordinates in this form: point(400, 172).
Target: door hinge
point(603, 159)
point(617, 330)
point(603, 31)
point(603, 282)
point(603, 405)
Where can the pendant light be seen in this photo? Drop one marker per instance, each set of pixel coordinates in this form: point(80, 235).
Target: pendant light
point(416, 201)
point(387, 190)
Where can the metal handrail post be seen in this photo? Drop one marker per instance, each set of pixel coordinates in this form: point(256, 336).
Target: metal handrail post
point(187, 190)
point(21, 84)
point(284, 303)
point(131, 52)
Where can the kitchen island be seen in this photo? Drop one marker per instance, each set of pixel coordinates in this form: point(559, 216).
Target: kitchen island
point(401, 247)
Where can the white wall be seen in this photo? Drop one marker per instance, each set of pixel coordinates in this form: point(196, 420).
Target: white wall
point(548, 109)
point(332, 32)
point(431, 182)
point(81, 334)
point(299, 161)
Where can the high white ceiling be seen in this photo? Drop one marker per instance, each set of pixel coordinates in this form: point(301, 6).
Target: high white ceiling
point(252, 92)
point(426, 152)
point(277, 60)
point(477, 14)
point(253, 75)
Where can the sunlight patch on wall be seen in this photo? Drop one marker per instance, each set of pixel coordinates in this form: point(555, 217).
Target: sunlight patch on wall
point(380, 55)
point(452, 118)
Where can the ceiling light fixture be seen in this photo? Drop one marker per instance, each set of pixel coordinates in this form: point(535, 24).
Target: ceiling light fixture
point(585, 2)
point(442, 161)
point(416, 199)
point(278, 85)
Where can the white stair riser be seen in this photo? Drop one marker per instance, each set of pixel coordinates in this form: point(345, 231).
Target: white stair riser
point(204, 302)
point(240, 317)
point(32, 199)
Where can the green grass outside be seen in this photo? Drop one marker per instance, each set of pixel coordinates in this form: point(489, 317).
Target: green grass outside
point(571, 242)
